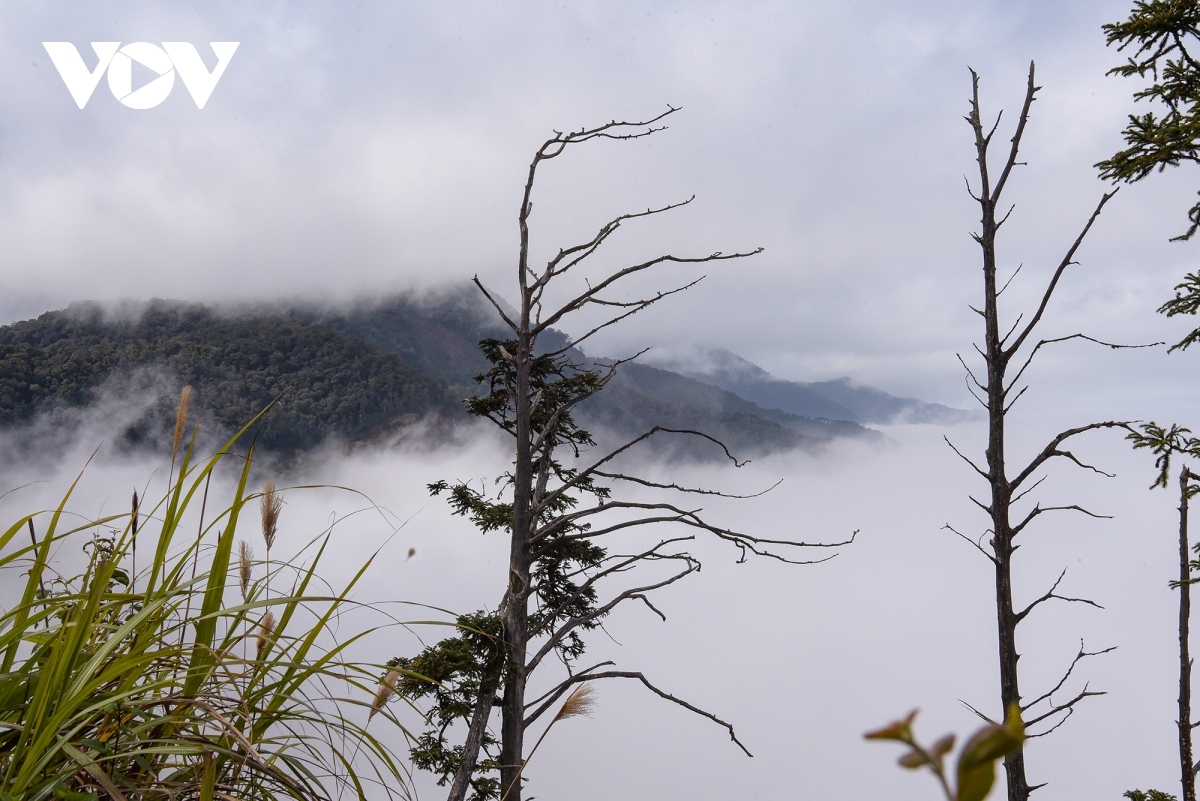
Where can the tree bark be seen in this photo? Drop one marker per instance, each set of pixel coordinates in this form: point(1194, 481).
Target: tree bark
point(483, 710)
point(516, 614)
point(1187, 774)
point(1001, 498)
point(1001, 491)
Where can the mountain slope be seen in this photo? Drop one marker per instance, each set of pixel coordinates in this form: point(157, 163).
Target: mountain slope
point(641, 397)
point(355, 374)
point(328, 383)
point(840, 399)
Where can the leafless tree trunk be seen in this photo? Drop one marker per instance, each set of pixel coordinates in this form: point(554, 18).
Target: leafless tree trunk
point(546, 511)
point(997, 393)
point(1186, 768)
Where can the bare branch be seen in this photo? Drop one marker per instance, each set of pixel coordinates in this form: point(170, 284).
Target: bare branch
point(1048, 696)
point(1061, 721)
point(974, 543)
point(977, 712)
point(587, 297)
point(1051, 594)
point(967, 181)
point(494, 303)
point(1051, 450)
point(623, 674)
point(1013, 402)
point(554, 693)
point(637, 306)
point(565, 628)
point(678, 488)
point(1065, 707)
point(1030, 92)
point(745, 542)
point(1019, 316)
point(1066, 261)
point(1037, 510)
point(1025, 491)
point(981, 143)
point(555, 267)
point(964, 458)
point(971, 374)
point(1038, 346)
point(587, 473)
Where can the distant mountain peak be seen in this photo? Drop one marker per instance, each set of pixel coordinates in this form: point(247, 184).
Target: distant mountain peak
point(837, 399)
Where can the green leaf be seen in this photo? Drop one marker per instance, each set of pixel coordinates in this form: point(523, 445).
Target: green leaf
point(913, 760)
point(899, 730)
point(977, 762)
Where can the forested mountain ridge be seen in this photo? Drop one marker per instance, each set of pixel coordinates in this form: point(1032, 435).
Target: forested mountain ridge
point(361, 373)
point(328, 382)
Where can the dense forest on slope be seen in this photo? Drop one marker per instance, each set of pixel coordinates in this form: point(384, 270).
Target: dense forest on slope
point(361, 373)
point(328, 382)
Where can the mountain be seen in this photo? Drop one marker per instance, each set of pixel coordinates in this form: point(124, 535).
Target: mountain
point(328, 382)
point(357, 374)
point(641, 394)
point(840, 399)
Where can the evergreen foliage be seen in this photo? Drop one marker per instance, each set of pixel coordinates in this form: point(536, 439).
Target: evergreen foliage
point(451, 673)
point(353, 374)
point(1164, 36)
point(328, 383)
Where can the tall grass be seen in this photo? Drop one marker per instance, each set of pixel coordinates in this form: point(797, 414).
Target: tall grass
point(185, 680)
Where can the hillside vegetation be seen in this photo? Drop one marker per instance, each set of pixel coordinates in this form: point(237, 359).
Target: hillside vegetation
point(352, 374)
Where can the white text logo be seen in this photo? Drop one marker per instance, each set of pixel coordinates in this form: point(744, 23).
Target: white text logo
point(165, 61)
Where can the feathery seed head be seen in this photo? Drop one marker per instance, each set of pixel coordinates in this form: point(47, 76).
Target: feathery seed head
point(265, 627)
point(270, 506)
point(245, 566)
point(185, 401)
point(386, 687)
point(580, 702)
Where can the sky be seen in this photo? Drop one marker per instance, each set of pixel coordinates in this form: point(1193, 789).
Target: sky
point(354, 149)
point(350, 150)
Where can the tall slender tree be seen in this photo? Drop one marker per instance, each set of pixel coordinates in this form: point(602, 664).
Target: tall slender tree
point(1162, 38)
point(1008, 350)
point(1165, 443)
point(561, 507)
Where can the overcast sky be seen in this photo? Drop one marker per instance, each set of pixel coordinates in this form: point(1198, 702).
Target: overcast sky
point(351, 149)
point(355, 149)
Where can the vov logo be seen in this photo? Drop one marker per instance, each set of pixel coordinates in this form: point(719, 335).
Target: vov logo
point(165, 61)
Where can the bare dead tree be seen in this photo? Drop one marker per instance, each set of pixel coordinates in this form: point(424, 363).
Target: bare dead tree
point(1187, 770)
point(1003, 349)
point(1165, 443)
point(560, 507)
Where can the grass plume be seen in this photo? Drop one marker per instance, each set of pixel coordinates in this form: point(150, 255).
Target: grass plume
point(387, 688)
point(111, 692)
point(245, 567)
point(270, 507)
point(581, 702)
point(181, 415)
point(265, 627)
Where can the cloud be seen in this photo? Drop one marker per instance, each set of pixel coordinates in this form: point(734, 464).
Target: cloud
point(355, 148)
point(801, 659)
